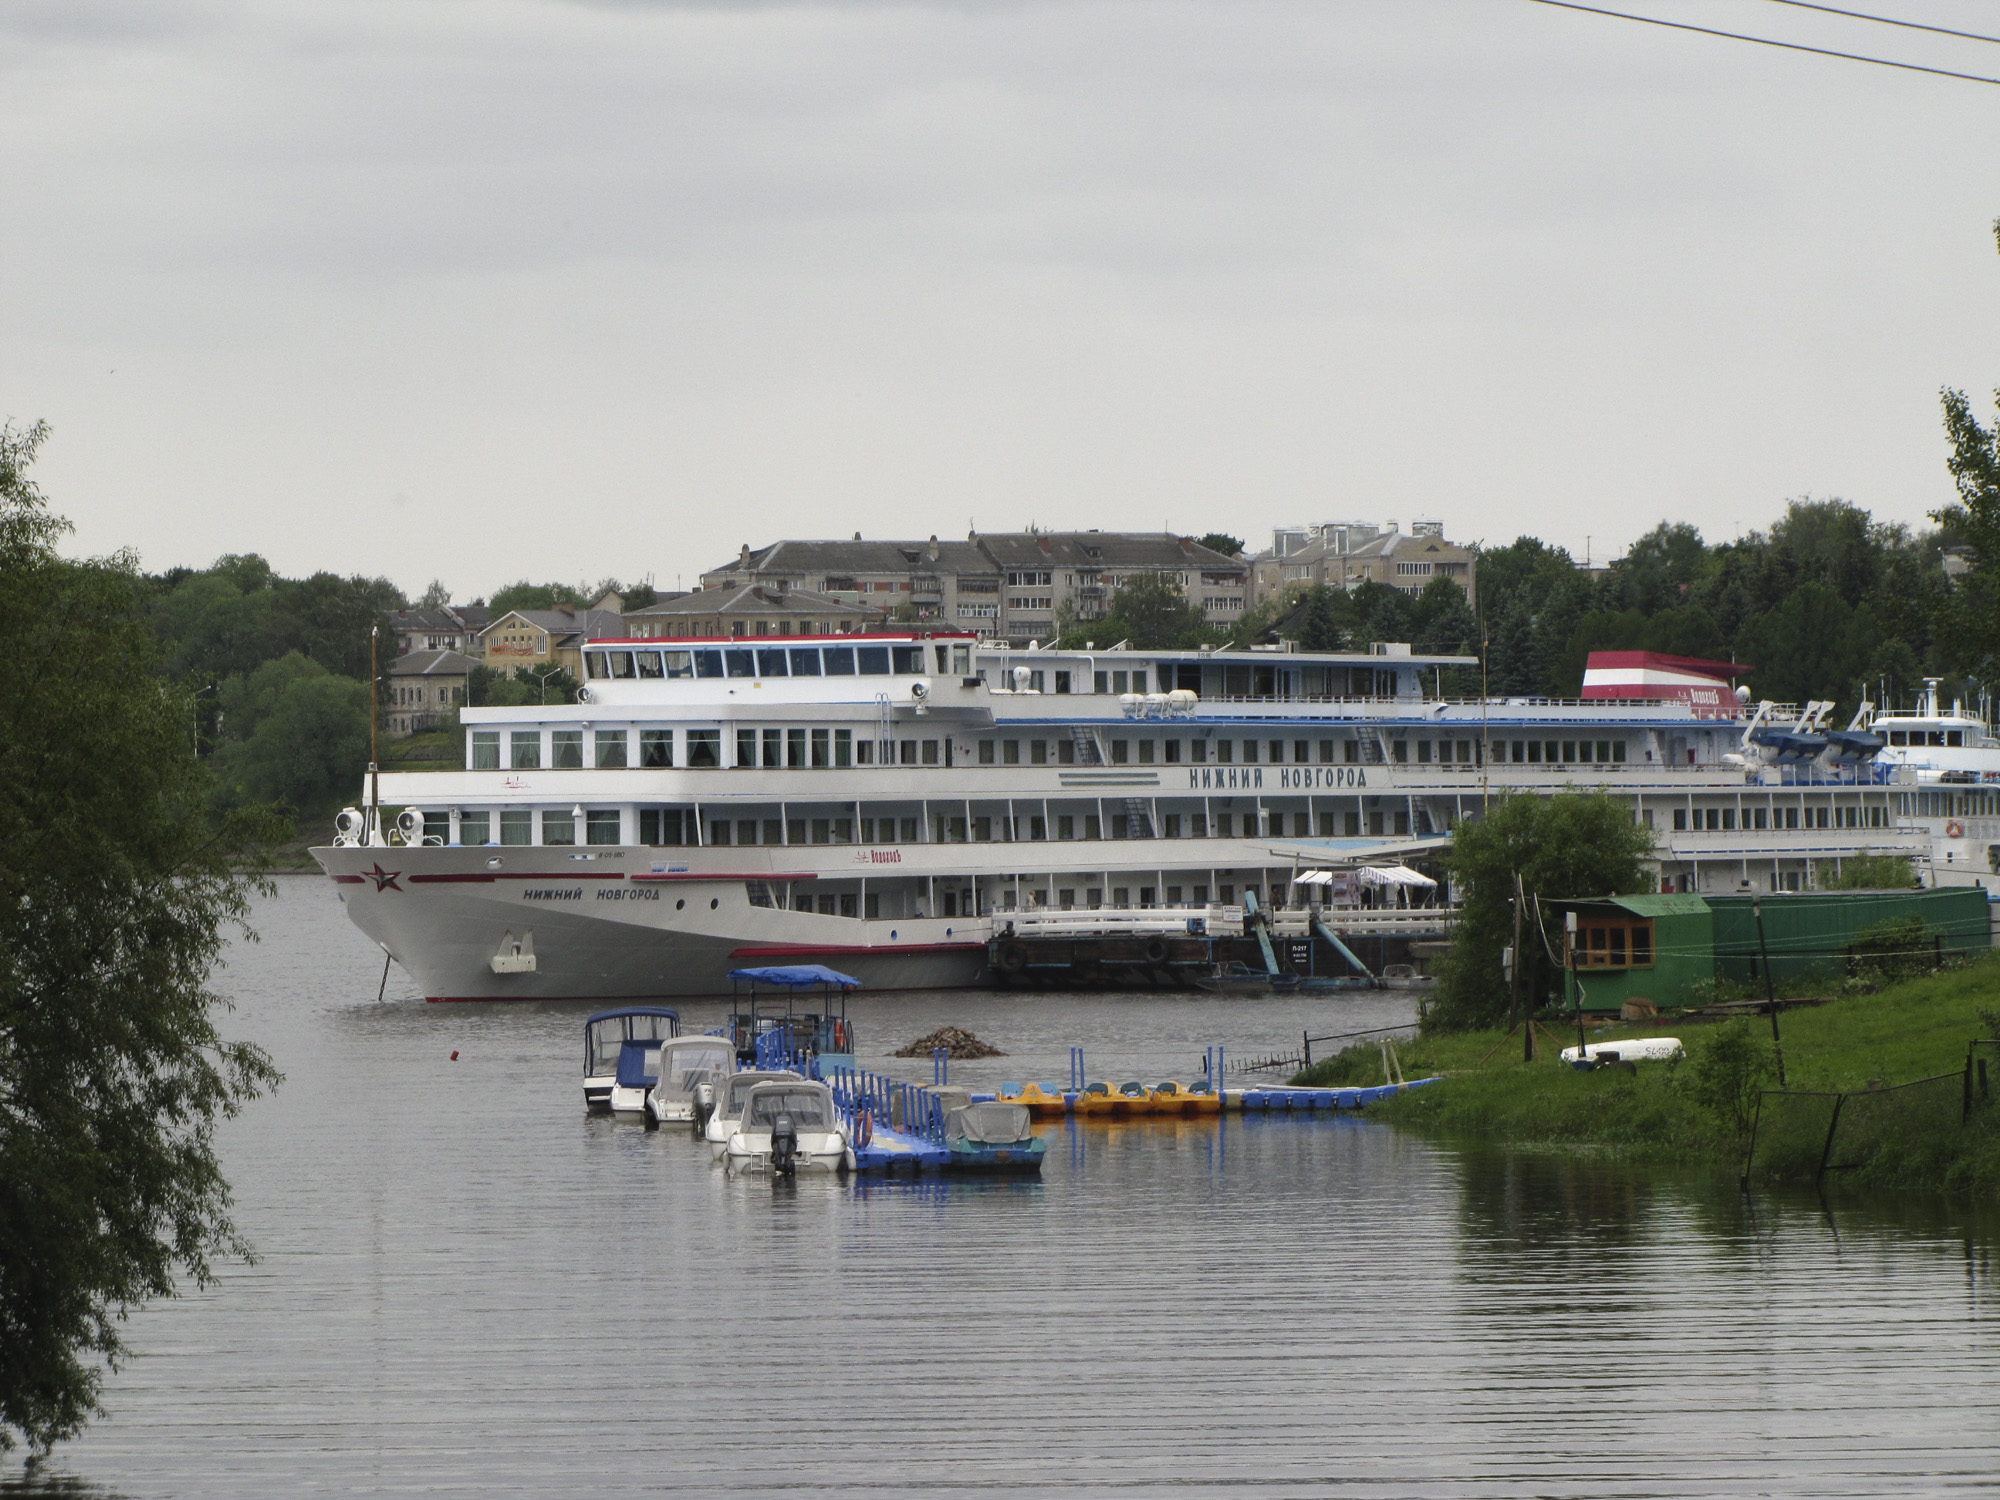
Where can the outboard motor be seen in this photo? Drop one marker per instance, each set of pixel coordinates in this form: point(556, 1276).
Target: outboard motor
point(784, 1146)
point(704, 1106)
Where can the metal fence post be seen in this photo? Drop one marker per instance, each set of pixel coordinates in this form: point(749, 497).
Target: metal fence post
point(1826, 1151)
point(1743, 1181)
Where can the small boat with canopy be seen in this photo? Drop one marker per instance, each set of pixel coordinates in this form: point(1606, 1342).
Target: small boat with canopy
point(771, 1028)
point(621, 1055)
point(686, 1063)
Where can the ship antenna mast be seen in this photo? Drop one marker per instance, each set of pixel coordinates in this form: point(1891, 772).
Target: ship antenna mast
point(374, 726)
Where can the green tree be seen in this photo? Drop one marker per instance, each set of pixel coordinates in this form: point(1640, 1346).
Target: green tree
point(1151, 612)
point(526, 595)
point(1571, 844)
point(118, 889)
point(1221, 541)
point(298, 734)
point(1866, 872)
point(1974, 607)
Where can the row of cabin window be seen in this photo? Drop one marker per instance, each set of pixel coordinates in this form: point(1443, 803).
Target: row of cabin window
point(1940, 737)
point(1558, 752)
point(1225, 752)
point(668, 826)
point(1724, 819)
point(777, 661)
point(771, 749)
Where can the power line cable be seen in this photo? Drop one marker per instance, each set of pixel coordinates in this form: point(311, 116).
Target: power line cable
point(1765, 41)
point(1862, 15)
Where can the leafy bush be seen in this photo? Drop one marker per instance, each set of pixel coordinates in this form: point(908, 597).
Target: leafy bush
point(1725, 1070)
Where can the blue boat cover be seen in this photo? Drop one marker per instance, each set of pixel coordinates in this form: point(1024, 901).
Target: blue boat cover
point(633, 1069)
point(797, 976)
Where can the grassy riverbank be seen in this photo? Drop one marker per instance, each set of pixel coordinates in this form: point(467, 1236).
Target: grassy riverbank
point(1700, 1108)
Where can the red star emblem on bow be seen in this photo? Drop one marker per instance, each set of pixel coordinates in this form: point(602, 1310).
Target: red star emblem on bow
point(385, 880)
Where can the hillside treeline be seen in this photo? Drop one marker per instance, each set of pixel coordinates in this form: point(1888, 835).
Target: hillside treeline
point(1827, 603)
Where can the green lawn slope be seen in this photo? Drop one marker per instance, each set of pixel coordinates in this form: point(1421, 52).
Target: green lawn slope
point(1701, 1108)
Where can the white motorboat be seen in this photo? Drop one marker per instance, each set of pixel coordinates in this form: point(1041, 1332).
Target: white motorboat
point(1405, 977)
point(621, 1055)
point(686, 1063)
point(788, 1125)
point(730, 1097)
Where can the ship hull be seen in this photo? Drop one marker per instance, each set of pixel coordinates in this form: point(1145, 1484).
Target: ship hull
point(606, 927)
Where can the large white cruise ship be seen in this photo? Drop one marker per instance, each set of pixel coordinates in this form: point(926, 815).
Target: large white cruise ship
point(878, 802)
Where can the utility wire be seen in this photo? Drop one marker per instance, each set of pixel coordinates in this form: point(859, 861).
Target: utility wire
point(1764, 41)
point(1862, 15)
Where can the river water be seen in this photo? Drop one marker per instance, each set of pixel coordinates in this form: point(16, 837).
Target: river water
point(467, 1286)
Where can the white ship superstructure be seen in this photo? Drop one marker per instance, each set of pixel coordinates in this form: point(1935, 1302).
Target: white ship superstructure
point(876, 802)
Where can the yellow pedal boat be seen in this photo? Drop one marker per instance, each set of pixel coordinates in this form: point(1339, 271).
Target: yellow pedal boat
point(1175, 1098)
point(1044, 1101)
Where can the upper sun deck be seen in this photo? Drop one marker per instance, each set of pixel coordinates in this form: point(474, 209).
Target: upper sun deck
point(959, 677)
point(849, 668)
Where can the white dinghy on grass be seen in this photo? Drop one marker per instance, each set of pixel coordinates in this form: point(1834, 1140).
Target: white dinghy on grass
point(1632, 1049)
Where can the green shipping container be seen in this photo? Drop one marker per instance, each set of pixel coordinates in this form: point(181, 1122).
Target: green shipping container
point(1806, 931)
point(1658, 948)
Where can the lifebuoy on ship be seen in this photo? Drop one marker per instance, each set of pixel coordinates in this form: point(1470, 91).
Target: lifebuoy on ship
point(1156, 950)
point(1012, 958)
point(1953, 829)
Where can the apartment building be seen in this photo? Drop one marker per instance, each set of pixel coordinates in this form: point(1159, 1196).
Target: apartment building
point(1345, 554)
point(753, 610)
point(1012, 586)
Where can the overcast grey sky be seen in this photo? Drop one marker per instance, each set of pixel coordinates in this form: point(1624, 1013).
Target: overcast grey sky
point(479, 289)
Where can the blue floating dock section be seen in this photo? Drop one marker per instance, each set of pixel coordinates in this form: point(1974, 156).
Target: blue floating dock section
point(1293, 1100)
point(914, 1145)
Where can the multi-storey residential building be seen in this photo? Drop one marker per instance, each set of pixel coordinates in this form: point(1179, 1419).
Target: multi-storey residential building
point(1009, 585)
point(1344, 554)
point(539, 638)
point(752, 610)
point(424, 687)
point(454, 627)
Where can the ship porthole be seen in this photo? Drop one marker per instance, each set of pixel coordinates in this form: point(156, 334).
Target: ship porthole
point(681, 905)
point(714, 902)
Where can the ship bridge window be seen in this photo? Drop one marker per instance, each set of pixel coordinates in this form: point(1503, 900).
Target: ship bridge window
point(741, 663)
point(708, 663)
point(594, 664)
point(681, 664)
point(909, 659)
point(874, 660)
point(525, 749)
point(771, 662)
point(611, 749)
point(1954, 736)
point(566, 747)
point(649, 663)
point(805, 662)
point(620, 663)
point(485, 749)
point(839, 661)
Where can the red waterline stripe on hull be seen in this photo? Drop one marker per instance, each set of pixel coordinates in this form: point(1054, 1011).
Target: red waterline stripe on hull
point(690, 875)
point(799, 950)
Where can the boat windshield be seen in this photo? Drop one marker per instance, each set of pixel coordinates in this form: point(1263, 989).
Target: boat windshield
point(688, 1066)
point(809, 1109)
point(730, 1107)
